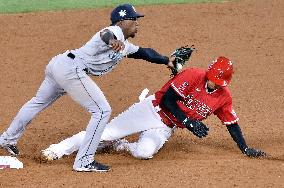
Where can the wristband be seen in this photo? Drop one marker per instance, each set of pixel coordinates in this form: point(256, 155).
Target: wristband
point(184, 121)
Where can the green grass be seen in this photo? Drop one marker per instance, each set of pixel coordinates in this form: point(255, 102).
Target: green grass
point(18, 6)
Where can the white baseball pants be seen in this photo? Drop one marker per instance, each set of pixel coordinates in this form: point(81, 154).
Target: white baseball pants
point(140, 117)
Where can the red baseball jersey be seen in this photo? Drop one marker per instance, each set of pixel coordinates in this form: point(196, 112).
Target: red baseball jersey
point(196, 102)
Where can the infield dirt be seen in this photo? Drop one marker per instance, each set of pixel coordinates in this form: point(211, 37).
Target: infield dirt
point(249, 32)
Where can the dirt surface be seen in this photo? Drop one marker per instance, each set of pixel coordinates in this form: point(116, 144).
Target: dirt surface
point(250, 32)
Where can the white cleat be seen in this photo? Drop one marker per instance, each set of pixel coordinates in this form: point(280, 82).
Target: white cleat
point(49, 155)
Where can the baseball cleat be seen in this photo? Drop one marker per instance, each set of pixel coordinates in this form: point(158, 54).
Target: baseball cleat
point(93, 167)
point(12, 149)
point(48, 155)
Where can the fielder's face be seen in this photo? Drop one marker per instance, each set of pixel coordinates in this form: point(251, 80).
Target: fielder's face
point(130, 27)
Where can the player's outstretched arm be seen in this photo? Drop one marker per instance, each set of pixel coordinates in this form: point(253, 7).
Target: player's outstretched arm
point(150, 55)
point(236, 134)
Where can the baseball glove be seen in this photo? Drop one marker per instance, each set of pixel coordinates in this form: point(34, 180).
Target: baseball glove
point(181, 55)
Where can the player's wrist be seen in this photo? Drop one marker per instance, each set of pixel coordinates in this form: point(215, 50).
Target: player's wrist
point(188, 123)
point(188, 120)
point(185, 121)
point(244, 150)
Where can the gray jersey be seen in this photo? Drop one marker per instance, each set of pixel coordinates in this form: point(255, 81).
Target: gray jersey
point(98, 57)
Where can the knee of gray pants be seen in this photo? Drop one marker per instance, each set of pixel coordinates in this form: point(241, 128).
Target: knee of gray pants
point(102, 110)
point(106, 112)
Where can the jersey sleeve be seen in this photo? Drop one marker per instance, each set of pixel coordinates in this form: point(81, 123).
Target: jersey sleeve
point(130, 48)
point(117, 32)
point(226, 113)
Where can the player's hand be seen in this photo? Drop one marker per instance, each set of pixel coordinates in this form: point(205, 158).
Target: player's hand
point(198, 128)
point(251, 152)
point(116, 45)
point(171, 64)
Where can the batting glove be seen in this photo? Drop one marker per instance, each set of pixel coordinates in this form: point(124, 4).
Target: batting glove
point(196, 127)
point(254, 153)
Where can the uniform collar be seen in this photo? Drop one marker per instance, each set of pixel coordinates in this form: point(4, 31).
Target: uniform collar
point(120, 30)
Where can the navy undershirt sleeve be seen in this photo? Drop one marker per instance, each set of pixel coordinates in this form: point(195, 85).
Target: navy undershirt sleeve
point(169, 102)
point(236, 134)
point(150, 55)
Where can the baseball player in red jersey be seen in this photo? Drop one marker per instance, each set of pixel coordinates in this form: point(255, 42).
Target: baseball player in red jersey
point(183, 102)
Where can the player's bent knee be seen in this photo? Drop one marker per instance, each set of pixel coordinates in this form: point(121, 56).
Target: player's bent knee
point(145, 151)
point(105, 112)
point(106, 109)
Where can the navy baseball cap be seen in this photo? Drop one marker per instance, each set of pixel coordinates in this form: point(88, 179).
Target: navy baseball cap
point(124, 12)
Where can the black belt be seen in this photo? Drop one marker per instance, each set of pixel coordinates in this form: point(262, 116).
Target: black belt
point(164, 117)
point(72, 56)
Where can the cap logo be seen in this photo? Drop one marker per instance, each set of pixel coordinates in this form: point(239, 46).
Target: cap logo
point(133, 8)
point(122, 13)
point(220, 73)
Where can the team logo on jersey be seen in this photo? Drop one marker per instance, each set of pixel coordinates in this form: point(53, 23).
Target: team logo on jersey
point(122, 13)
point(115, 56)
point(182, 87)
point(200, 108)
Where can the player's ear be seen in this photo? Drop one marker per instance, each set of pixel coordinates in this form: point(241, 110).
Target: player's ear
point(119, 23)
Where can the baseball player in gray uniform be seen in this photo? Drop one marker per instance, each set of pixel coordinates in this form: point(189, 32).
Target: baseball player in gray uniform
point(69, 73)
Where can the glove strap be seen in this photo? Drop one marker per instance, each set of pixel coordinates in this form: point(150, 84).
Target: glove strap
point(187, 122)
point(184, 121)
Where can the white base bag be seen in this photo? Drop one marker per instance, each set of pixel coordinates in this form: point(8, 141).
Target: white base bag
point(7, 162)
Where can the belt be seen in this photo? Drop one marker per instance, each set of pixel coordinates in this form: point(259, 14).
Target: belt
point(164, 118)
point(72, 56)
